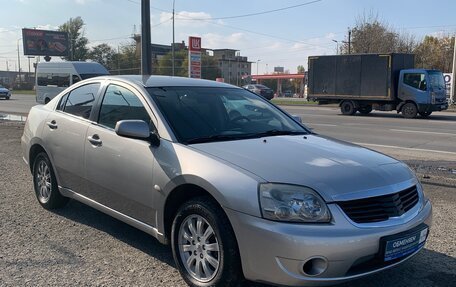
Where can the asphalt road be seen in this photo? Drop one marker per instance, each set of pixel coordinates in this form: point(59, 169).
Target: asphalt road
point(79, 246)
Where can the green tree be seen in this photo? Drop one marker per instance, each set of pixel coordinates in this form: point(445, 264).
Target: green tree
point(78, 42)
point(435, 53)
point(300, 69)
point(165, 66)
point(127, 61)
point(103, 54)
point(209, 65)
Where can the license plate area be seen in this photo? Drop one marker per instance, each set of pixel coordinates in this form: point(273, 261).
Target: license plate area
point(402, 244)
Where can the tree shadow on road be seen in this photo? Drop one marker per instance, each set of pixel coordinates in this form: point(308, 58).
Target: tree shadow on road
point(136, 238)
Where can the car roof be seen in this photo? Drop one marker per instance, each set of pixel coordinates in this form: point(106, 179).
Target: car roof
point(167, 81)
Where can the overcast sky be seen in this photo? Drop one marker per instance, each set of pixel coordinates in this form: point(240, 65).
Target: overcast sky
point(284, 38)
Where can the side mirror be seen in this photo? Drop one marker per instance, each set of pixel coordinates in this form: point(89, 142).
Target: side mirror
point(136, 129)
point(297, 118)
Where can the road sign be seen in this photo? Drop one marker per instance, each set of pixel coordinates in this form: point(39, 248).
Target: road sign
point(194, 57)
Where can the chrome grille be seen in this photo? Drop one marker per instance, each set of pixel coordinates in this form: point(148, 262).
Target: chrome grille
point(380, 208)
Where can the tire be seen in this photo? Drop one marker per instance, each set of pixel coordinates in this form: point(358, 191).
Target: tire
point(348, 108)
point(46, 101)
point(409, 111)
point(216, 268)
point(425, 114)
point(45, 185)
point(365, 110)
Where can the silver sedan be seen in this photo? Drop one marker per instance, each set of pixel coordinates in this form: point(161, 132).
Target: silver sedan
point(239, 188)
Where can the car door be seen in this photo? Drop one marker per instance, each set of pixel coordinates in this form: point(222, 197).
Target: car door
point(64, 135)
point(414, 88)
point(119, 170)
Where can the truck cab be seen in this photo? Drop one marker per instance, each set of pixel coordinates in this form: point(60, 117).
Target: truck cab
point(421, 92)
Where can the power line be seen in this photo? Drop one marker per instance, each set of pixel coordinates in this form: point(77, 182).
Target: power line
point(259, 13)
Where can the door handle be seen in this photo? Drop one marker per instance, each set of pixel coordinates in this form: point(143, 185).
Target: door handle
point(52, 125)
point(95, 140)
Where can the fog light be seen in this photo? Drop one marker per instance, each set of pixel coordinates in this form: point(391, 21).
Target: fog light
point(315, 266)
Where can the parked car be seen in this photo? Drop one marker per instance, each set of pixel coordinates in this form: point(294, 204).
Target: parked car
point(5, 93)
point(288, 94)
point(239, 188)
point(261, 90)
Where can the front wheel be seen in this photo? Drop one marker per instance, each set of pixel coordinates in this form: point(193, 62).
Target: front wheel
point(409, 110)
point(46, 188)
point(204, 246)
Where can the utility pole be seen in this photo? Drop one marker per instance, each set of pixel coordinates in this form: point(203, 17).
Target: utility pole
point(349, 40)
point(146, 55)
point(172, 45)
point(19, 62)
point(453, 78)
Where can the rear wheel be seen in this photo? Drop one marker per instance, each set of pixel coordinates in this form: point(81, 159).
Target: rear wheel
point(348, 108)
point(365, 110)
point(46, 189)
point(409, 111)
point(204, 246)
point(425, 114)
point(47, 100)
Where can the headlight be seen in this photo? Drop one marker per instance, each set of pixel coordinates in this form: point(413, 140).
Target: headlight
point(292, 203)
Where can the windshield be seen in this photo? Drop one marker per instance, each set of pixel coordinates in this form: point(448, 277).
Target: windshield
point(436, 79)
point(202, 114)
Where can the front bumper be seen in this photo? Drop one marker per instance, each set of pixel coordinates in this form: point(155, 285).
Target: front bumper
point(274, 252)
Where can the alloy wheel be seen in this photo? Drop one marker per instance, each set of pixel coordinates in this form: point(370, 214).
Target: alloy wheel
point(43, 180)
point(199, 248)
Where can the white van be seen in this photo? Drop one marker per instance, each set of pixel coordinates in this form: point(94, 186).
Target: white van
point(52, 78)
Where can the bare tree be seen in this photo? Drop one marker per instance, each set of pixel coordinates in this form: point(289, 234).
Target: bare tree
point(372, 35)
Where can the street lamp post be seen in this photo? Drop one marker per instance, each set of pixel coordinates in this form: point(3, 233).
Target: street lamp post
point(172, 45)
point(19, 62)
point(337, 46)
point(258, 63)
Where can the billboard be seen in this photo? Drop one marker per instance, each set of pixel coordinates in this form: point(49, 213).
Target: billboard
point(194, 57)
point(45, 43)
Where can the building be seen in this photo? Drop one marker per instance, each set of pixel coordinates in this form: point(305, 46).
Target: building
point(233, 66)
point(10, 79)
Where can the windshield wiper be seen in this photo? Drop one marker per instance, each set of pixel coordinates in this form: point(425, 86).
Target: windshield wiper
point(280, 133)
point(213, 138)
point(244, 136)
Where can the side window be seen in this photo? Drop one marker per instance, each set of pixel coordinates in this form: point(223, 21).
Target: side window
point(61, 105)
point(80, 100)
point(121, 104)
point(416, 80)
point(53, 79)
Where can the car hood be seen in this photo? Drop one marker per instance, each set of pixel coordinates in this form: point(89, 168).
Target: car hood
point(336, 169)
point(4, 90)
